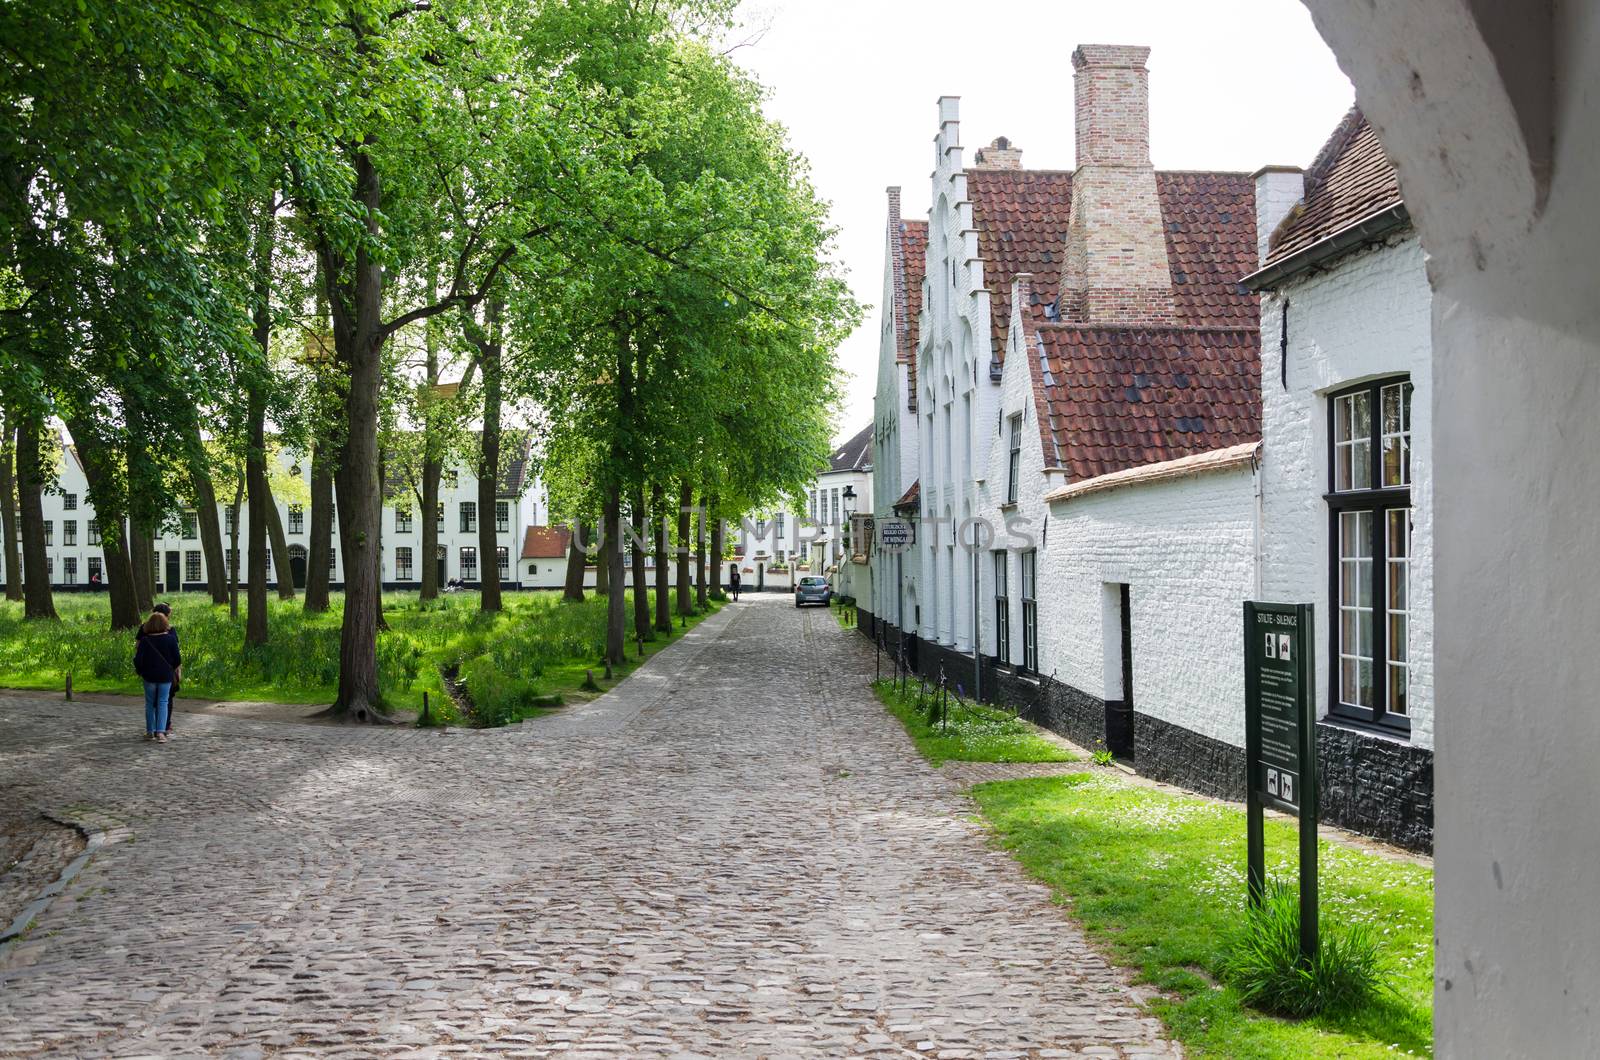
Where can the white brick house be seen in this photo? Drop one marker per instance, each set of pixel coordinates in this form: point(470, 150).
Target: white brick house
point(1347, 473)
point(73, 551)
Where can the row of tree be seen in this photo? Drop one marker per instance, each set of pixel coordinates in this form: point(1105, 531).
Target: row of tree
point(356, 229)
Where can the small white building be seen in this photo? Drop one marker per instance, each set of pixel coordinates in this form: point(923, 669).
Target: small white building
point(1347, 471)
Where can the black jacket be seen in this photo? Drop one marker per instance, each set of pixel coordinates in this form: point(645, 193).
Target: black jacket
point(156, 657)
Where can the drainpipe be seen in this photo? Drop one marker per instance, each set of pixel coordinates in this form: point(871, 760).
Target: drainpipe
point(1255, 475)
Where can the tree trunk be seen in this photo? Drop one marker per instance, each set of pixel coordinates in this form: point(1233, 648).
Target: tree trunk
point(317, 574)
point(108, 500)
point(700, 597)
point(280, 548)
point(685, 503)
point(572, 589)
point(719, 544)
point(602, 569)
point(359, 510)
point(489, 352)
point(377, 549)
point(261, 507)
point(611, 560)
point(233, 549)
point(641, 592)
point(12, 554)
point(658, 513)
point(142, 559)
point(205, 504)
point(432, 472)
point(38, 600)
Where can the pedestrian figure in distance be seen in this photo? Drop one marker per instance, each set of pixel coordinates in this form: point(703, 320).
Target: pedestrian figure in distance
point(177, 674)
point(157, 661)
point(733, 582)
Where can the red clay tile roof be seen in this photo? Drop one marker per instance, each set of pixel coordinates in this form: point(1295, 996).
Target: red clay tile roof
point(1022, 216)
point(1210, 220)
point(914, 259)
point(545, 542)
point(1350, 181)
point(910, 498)
point(1123, 397)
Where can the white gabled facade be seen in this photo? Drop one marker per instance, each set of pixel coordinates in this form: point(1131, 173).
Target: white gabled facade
point(955, 395)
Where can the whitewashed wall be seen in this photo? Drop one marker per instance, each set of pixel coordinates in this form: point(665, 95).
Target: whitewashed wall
point(1367, 316)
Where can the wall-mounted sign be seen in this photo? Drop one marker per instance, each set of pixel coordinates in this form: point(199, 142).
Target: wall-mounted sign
point(896, 533)
point(1280, 738)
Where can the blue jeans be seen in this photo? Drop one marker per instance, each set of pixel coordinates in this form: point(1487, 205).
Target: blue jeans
point(155, 706)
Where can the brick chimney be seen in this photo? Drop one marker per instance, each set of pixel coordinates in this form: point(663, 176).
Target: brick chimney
point(1116, 269)
point(1001, 154)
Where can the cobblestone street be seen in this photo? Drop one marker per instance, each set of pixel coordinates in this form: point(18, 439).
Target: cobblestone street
point(736, 853)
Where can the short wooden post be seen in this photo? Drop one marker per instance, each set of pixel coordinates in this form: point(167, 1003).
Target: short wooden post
point(69, 686)
point(424, 718)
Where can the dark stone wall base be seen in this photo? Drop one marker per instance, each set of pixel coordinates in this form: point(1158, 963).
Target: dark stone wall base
point(1175, 755)
point(1379, 787)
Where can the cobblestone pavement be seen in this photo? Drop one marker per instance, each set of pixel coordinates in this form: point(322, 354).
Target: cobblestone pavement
point(736, 853)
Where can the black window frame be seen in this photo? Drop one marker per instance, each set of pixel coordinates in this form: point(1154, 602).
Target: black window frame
point(297, 519)
point(1028, 572)
point(468, 511)
point(1379, 500)
point(502, 517)
point(69, 533)
point(1002, 607)
point(189, 524)
point(402, 520)
point(403, 565)
point(69, 570)
point(69, 502)
point(1014, 460)
point(193, 566)
point(92, 529)
point(503, 561)
point(469, 572)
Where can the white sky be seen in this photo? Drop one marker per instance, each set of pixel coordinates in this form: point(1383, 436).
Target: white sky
point(1234, 85)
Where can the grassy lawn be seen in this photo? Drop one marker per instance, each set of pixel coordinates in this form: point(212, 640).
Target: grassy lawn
point(972, 733)
point(519, 663)
point(1159, 879)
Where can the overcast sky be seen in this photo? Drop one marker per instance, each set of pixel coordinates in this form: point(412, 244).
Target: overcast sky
point(1234, 85)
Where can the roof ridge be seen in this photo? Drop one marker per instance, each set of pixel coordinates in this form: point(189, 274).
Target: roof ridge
point(1331, 150)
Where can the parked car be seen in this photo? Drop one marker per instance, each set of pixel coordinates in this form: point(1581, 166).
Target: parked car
point(812, 589)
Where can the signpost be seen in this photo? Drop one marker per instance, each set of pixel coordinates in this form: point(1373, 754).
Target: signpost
point(1280, 738)
point(895, 533)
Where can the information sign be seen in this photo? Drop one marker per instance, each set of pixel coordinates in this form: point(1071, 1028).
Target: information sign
point(1280, 742)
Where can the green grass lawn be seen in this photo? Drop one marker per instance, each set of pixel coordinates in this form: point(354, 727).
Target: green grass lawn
point(1159, 878)
point(516, 664)
point(972, 733)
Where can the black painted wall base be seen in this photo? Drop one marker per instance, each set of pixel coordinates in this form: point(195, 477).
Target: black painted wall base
point(1175, 755)
point(1377, 786)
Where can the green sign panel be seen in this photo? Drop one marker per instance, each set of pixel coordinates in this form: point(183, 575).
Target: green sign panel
point(1280, 727)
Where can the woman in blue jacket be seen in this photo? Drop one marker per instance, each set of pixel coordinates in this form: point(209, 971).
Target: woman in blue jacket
point(156, 660)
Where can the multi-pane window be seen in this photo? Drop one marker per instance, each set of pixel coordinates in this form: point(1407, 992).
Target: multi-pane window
point(69, 570)
point(191, 526)
point(333, 560)
point(49, 531)
point(777, 527)
point(50, 567)
point(469, 564)
point(69, 502)
point(94, 567)
point(297, 519)
point(469, 517)
point(191, 566)
point(1002, 610)
point(503, 558)
point(835, 508)
point(230, 518)
point(69, 531)
point(1370, 474)
point(1030, 613)
point(439, 521)
point(812, 505)
point(94, 531)
point(502, 516)
point(402, 520)
point(402, 564)
point(1015, 464)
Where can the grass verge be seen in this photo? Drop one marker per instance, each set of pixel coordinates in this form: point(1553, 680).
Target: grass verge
point(972, 733)
point(1159, 879)
point(519, 663)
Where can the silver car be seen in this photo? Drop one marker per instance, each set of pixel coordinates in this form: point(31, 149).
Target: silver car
point(812, 589)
